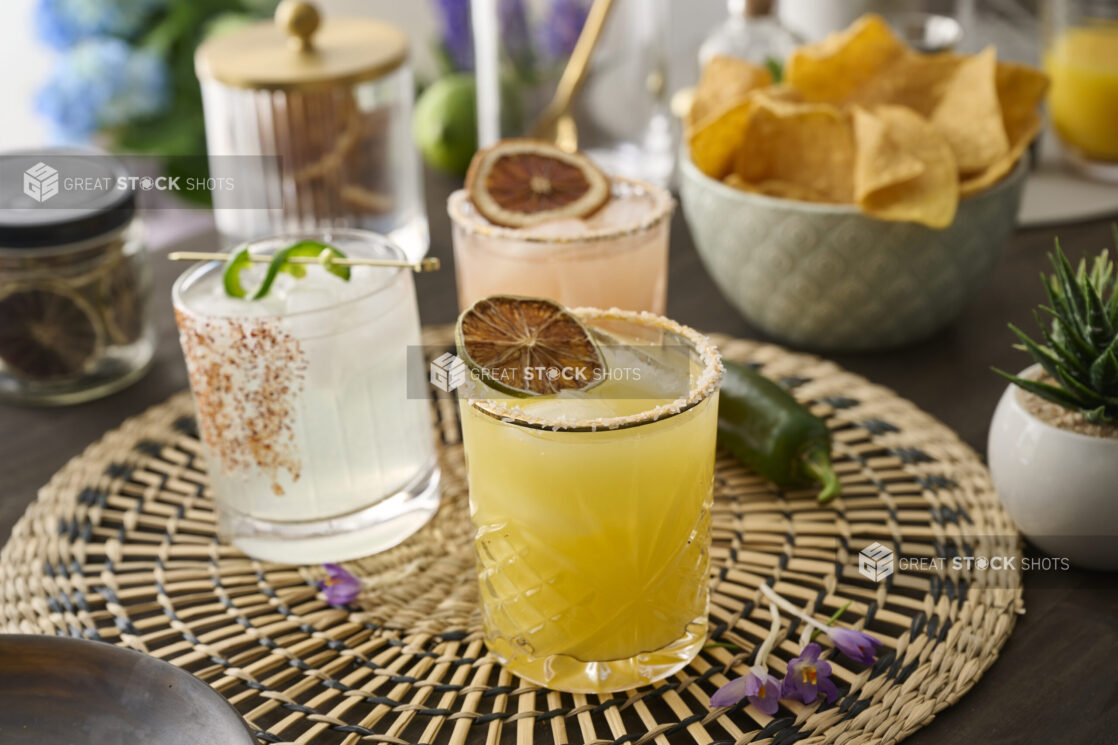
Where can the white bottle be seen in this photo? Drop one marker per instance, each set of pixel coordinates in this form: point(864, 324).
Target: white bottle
point(751, 32)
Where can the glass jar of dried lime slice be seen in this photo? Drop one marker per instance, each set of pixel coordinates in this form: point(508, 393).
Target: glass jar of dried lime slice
point(75, 281)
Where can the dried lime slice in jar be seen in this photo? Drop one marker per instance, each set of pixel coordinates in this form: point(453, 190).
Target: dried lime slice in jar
point(528, 346)
point(47, 332)
point(241, 259)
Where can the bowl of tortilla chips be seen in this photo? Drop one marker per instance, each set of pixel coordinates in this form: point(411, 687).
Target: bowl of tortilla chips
point(862, 200)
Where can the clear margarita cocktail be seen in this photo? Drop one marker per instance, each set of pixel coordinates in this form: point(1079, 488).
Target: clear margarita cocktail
point(615, 257)
point(314, 448)
point(592, 510)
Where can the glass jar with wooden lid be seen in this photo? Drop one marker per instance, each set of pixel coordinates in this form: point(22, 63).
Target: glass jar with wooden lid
point(324, 105)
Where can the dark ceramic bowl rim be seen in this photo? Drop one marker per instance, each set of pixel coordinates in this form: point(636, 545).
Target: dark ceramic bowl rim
point(86, 647)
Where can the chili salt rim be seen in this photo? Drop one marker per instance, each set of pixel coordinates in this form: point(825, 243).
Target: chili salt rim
point(478, 225)
point(707, 383)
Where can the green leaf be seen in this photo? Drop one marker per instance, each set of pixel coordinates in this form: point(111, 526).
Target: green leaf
point(1076, 303)
point(1048, 392)
point(1104, 371)
point(1078, 354)
point(1102, 272)
point(1101, 415)
point(1101, 331)
point(1080, 390)
point(775, 68)
point(1047, 359)
point(1064, 316)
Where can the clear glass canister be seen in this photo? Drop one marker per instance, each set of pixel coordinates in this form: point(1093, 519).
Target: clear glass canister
point(75, 280)
point(616, 110)
point(308, 123)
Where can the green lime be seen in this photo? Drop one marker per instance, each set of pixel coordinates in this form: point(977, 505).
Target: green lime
point(524, 346)
point(235, 264)
point(444, 125)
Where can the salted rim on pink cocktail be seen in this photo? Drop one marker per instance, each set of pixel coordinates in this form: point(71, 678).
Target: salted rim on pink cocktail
point(463, 213)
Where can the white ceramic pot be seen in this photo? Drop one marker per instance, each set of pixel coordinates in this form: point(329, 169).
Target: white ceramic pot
point(1060, 487)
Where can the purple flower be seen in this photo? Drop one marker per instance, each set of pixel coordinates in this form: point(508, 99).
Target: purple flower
point(762, 690)
point(457, 39)
point(340, 586)
point(808, 677)
point(857, 645)
point(564, 24)
point(513, 23)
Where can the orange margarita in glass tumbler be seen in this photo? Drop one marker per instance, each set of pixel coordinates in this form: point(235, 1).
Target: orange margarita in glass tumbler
point(1081, 58)
point(592, 511)
point(616, 256)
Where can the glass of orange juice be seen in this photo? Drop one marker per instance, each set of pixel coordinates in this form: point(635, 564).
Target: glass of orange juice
point(1081, 58)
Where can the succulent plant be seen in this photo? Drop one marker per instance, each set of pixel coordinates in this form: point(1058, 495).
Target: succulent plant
point(1080, 345)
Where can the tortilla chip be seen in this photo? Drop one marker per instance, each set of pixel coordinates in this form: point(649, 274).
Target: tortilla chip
point(780, 189)
point(718, 139)
point(725, 83)
point(1020, 92)
point(880, 161)
point(802, 148)
point(968, 113)
point(831, 70)
point(864, 119)
point(999, 170)
point(913, 80)
point(930, 195)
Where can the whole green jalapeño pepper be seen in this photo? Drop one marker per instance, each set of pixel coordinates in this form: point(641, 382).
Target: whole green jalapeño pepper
point(769, 431)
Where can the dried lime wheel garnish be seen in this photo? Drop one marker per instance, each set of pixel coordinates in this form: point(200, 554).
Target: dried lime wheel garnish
point(528, 346)
point(520, 183)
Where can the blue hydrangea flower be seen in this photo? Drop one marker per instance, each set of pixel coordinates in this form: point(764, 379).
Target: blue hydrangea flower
point(100, 83)
point(457, 39)
point(564, 23)
point(63, 23)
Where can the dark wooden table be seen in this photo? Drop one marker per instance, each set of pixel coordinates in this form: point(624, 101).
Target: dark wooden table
point(1054, 682)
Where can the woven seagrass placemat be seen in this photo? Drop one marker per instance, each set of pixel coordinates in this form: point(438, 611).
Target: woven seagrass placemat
point(120, 547)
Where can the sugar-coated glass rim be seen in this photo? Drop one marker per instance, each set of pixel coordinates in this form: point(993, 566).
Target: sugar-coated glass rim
point(457, 203)
point(196, 271)
point(705, 384)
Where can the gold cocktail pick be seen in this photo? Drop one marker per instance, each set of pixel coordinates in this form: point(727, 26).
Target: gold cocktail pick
point(429, 264)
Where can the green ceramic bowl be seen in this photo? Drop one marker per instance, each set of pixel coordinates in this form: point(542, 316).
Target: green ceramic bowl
point(827, 277)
